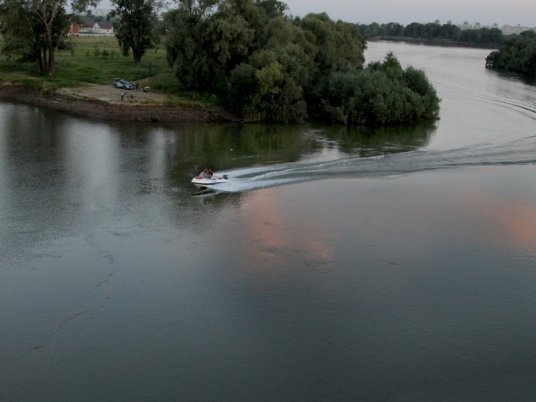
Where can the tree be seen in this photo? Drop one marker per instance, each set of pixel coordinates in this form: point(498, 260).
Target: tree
point(187, 45)
point(332, 46)
point(208, 39)
point(16, 27)
point(264, 90)
point(517, 55)
point(382, 94)
point(338, 45)
point(266, 66)
point(35, 28)
point(413, 30)
point(137, 20)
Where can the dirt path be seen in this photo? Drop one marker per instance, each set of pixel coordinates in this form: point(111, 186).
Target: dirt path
point(111, 95)
point(104, 102)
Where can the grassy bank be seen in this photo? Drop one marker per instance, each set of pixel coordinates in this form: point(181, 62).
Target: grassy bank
point(98, 60)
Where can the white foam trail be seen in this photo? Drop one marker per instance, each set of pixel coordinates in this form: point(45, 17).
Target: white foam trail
point(518, 152)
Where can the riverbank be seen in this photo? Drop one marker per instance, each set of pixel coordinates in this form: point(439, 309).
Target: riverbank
point(433, 42)
point(104, 102)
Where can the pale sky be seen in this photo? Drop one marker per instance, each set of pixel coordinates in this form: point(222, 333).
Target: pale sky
point(487, 12)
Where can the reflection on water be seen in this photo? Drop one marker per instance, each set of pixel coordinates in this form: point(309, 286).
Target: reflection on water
point(275, 245)
point(3, 162)
point(507, 207)
point(399, 265)
point(365, 141)
point(71, 172)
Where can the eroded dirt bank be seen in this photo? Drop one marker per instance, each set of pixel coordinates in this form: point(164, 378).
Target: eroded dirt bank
point(106, 103)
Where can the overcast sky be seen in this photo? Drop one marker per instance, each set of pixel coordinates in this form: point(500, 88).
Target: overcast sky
point(486, 12)
point(511, 12)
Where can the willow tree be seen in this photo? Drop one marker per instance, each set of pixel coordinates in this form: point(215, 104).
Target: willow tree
point(35, 29)
point(207, 39)
point(136, 26)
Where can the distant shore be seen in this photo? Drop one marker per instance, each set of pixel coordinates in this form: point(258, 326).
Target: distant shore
point(76, 103)
point(432, 42)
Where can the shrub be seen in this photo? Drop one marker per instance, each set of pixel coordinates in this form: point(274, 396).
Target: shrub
point(382, 94)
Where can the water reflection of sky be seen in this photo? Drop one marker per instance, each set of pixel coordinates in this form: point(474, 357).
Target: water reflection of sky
point(424, 216)
point(3, 159)
point(92, 158)
point(272, 238)
point(507, 199)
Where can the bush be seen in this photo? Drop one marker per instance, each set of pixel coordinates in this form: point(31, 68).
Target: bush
point(516, 55)
point(382, 94)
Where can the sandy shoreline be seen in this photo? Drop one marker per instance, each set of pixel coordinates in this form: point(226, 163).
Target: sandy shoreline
point(104, 103)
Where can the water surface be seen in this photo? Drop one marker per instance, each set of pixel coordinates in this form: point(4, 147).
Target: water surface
point(342, 264)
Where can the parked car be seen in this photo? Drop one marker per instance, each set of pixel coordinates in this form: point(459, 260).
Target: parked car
point(123, 84)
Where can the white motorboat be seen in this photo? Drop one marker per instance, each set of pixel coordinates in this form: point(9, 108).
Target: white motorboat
point(205, 179)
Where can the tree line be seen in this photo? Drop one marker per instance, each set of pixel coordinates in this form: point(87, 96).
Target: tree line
point(36, 29)
point(261, 64)
point(265, 66)
point(516, 55)
point(434, 31)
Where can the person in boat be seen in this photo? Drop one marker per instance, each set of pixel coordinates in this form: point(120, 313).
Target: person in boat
point(207, 173)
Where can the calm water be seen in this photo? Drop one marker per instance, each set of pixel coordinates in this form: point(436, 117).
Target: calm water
point(340, 265)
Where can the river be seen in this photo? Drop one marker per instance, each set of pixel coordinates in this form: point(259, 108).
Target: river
point(340, 264)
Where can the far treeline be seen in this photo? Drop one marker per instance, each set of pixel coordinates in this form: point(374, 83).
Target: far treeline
point(260, 63)
point(484, 37)
point(516, 55)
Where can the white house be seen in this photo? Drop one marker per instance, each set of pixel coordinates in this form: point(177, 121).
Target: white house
point(102, 28)
point(86, 25)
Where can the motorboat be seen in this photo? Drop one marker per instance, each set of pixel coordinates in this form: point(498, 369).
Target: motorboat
point(207, 179)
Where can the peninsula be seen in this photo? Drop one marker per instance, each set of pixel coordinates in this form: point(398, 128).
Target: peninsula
point(248, 59)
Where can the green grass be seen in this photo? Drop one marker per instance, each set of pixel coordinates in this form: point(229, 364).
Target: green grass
point(99, 60)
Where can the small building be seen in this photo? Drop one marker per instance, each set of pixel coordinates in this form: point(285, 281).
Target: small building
point(87, 25)
point(103, 28)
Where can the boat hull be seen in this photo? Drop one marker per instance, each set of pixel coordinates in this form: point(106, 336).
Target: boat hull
point(205, 182)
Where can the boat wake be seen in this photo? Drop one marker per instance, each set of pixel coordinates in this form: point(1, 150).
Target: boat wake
point(518, 152)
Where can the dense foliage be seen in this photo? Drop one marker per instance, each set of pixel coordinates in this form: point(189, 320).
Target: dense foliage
point(383, 93)
point(265, 66)
point(35, 29)
point(517, 55)
point(435, 31)
point(135, 31)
